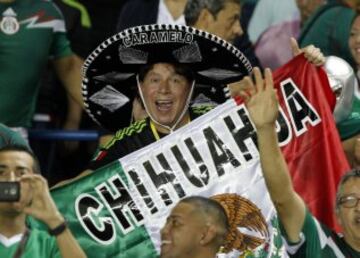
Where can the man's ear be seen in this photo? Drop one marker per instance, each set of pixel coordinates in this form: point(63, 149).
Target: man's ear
point(337, 215)
point(209, 235)
point(205, 18)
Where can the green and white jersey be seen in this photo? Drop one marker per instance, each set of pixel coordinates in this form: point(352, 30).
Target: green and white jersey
point(318, 241)
point(31, 31)
point(40, 244)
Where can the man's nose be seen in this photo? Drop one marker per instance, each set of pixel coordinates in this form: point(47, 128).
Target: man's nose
point(164, 86)
point(166, 229)
point(12, 176)
point(237, 29)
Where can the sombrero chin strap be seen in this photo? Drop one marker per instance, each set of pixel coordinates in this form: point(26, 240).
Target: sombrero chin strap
point(186, 106)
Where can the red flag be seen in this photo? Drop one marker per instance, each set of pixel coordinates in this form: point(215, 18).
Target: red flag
point(315, 156)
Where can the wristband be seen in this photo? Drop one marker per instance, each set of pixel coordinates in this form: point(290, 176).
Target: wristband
point(58, 229)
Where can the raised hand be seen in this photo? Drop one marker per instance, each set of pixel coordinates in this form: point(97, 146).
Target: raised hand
point(311, 53)
point(262, 102)
point(42, 206)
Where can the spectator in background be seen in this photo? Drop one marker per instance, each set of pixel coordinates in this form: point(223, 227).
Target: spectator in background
point(329, 29)
point(19, 164)
point(196, 227)
point(221, 18)
point(349, 129)
point(30, 33)
point(65, 159)
point(273, 23)
point(308, 7)
point(141, 12)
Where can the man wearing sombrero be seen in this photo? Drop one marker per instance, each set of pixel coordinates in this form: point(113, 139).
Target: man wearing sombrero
point(164, 63)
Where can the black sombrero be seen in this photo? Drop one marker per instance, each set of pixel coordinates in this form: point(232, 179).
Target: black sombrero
point(109, 73)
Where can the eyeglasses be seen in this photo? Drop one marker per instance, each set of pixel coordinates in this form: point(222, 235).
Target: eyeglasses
point(349, 201)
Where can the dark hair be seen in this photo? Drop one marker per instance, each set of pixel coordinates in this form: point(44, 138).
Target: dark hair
point(214, 210)
point(354, 173)
point(180, 69)
point(193, 8)
point(22, 148)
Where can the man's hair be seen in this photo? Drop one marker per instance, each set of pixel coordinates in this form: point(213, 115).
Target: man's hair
point(22, 148)
point(354, 173)
point(193, 8)
point(215, 211)
point(180, 69)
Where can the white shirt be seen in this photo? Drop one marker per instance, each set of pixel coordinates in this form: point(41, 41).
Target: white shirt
point(165, 17)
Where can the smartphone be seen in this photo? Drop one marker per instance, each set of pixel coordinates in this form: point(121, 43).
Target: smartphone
point(9, 191)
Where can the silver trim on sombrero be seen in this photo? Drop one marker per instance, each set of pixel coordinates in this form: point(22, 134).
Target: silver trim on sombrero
point(113, 77)
point(109, 98)
point(219, 74)
point(132, 56)
point(152, 27)
point(188, 54)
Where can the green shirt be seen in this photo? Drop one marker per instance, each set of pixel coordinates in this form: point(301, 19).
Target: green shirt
point(351, 126)
point(31, 31)
point(39, 245)
point(329, 29)
point(318, 241)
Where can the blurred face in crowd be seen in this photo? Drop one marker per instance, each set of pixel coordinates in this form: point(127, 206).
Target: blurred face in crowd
point(13, 165)
point(348, 212)
point(165, 93)
point(182, 234)
point(226, 23)
point(355, 4)
point(354, 40)
point(308, 7)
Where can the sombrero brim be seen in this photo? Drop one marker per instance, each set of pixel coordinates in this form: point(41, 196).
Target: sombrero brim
point(109, 72)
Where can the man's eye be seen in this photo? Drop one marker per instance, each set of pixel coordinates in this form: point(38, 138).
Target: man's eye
point(21, 172)
point(154, 80)
point(176, 223)
point(176, 80)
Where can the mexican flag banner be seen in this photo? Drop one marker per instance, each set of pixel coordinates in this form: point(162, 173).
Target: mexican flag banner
point(118, 210)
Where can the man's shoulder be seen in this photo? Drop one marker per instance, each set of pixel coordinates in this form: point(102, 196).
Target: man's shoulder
point(125, 141)
point(132, 130)
point(48, 8)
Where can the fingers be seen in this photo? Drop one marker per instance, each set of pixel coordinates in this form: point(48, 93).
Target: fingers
point(37, 182)
point(314, 55)
point(295, 47)
point(238, 87)
point(357, 150)
point(269, 82)
point(259, 81)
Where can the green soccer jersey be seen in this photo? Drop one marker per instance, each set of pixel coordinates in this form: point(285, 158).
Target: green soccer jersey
point(318, 241)
point(351, 125)
point(39, 245)
point(31, 31)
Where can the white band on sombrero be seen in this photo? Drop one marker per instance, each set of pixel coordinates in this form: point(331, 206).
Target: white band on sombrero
point(112, 67)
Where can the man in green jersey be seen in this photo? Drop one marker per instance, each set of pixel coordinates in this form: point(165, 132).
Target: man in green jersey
point(32, 31)
point(18, 164)
point(305, 236)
